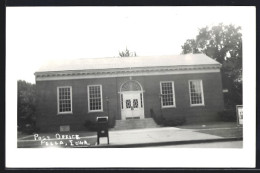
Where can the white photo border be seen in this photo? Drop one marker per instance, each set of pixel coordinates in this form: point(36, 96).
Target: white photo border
point(140, 157)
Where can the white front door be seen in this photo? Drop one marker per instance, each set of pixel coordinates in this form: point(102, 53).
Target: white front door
point(132, 105)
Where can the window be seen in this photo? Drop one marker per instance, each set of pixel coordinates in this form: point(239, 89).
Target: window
point(64, 99)
point(128, 104)
point(196, 92)
point(135, 103)
point(95, 98)
point(141, 98)
point(122, 102)
point(167, 94)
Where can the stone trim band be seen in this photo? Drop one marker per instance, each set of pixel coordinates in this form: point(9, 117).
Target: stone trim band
point(104, 73)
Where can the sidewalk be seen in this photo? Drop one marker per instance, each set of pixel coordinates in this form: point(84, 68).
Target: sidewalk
point(153, 136)
point(171, 136)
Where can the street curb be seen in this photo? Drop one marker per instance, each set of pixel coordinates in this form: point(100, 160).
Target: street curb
point(165, 143)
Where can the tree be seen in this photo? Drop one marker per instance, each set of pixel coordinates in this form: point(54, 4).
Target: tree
point(26, 104)
point(190, 47)
point(127, 53)
point(224, 44)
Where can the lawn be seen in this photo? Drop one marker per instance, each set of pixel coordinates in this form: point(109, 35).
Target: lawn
point(224, 132)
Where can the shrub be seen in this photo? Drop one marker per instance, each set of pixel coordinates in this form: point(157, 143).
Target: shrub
point(111, 121)
point(28, 128)
point(26, 106)
point(176, 121)
point(90, 125)
point(27, 125)
point(227, 115)
point(157, 119)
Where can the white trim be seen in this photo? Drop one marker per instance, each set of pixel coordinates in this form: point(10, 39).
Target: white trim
point(101, 99)
point(133, 92)
point(173, 94)
point(58, 100)
point(123, 117)
point(68, 75)
point(202, 93)
point(130, 91)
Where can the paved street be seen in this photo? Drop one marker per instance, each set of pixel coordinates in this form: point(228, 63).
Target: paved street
point(230, 144)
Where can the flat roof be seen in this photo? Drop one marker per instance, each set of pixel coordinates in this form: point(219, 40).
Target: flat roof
point(127, 62)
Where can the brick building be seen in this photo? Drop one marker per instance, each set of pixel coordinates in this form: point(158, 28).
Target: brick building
point(71, 92)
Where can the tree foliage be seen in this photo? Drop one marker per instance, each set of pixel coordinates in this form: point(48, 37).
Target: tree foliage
point(26, 103)
point(127, 53)
point(224, 44)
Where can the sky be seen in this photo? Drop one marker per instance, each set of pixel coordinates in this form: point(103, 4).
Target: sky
point(35, 35)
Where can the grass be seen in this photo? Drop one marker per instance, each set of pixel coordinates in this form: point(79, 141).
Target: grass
point(234, 132)
point(209, 125)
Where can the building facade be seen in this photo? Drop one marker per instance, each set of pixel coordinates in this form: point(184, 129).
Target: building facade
point(71, 92)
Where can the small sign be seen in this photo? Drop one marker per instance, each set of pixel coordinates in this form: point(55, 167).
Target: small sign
point(239, 114)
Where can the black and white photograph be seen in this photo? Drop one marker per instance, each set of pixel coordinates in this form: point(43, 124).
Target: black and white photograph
point(130, 84)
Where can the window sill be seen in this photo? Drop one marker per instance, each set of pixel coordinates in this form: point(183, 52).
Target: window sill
point(197, 105)
point(65, 113)
point(168, 107)
point(95, 111)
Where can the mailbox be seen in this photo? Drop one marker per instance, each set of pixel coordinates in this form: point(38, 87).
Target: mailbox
point(102, 128)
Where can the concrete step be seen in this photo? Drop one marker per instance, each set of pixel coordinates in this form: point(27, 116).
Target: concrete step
point(135, 124)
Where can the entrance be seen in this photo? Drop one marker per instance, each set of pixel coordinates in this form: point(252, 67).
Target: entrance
point(132, 106)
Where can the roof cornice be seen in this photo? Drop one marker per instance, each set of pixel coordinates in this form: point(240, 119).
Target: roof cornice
point(140, 71)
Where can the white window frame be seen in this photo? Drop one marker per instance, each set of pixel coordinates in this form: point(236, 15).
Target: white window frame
point(58, 100)
point(202, 93)
point(173, 95)
point(101, 99)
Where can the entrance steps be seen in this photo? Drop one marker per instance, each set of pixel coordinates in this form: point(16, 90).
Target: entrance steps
point(135, 124)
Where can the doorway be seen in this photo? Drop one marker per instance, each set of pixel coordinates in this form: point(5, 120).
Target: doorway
point(132, 105)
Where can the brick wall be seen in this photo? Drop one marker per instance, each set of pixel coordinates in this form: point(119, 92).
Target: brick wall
point(49, 120)
point(213, 97)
